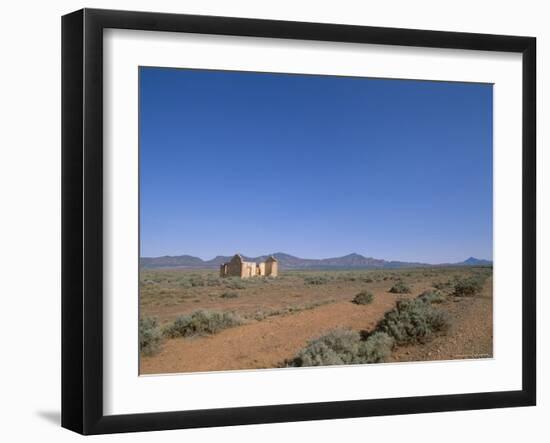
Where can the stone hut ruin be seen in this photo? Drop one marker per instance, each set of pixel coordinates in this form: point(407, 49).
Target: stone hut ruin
point(237, 267)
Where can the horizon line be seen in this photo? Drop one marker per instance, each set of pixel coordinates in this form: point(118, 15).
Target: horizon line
point(316, 258)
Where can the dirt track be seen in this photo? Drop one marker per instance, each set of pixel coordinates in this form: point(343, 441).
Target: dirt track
point(267, 343)
point(263, 344)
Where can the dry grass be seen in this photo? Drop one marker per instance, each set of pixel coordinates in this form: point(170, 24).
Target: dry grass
point(281, 317)
point(169, 293)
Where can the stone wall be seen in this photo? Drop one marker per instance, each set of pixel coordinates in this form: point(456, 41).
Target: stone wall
point(248, 269)
point(271, 268)
point(261, 269)
point(236, 267)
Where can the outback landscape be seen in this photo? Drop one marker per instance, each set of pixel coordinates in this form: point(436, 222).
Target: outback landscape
point(193, 320)
point(254, 188)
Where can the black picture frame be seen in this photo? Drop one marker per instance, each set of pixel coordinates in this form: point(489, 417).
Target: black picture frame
point(82, 217)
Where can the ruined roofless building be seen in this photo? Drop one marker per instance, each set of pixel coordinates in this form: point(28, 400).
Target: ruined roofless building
point(237, 267)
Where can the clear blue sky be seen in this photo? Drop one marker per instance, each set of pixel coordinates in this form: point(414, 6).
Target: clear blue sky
point(314, 166)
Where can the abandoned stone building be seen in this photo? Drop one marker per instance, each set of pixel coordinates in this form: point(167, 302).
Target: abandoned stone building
point(237, 267)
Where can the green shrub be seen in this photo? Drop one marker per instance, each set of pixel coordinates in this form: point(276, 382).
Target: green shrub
point(444, 286)
point(234, 283)
point(377, 347)
point(338, 347)
point(400, 288)
point(432, 296)
point(413, 321)
point(468, 287)
point(439, 320)
point(213, 281)
point(150, 336)
point(348, 277)
point(342, 347)
point(316, 280)
point(230, 294)
point(196, 281)
point(363, 298)
point(202, 322)
point(354, 276)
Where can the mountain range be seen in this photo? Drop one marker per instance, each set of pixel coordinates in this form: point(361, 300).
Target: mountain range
point(287, 261)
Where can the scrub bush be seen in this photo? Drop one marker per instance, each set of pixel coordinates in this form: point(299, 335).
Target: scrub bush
point(468, 287)
point(342, 347)
point(413, 321)
point(432, 296)
point(400, 288)
point(150, 336)
point(363, 298)
point(202, 322)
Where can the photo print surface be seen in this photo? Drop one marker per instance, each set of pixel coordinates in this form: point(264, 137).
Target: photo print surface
point(291, 220)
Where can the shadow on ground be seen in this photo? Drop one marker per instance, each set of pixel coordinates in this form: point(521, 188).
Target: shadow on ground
point(54, 417)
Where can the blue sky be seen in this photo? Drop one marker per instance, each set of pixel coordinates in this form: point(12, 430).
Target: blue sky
point(314, 166)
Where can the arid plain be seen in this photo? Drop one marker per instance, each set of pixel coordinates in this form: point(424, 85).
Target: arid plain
point(192, 320)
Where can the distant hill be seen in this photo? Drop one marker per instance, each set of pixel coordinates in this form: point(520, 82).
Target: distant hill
point(168, 261)
point(287, 261)
point(472, 261)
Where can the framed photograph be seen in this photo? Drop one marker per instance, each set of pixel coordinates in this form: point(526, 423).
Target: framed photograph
point(269, 221)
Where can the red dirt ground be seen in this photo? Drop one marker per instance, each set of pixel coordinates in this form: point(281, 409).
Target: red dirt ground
point(264, 344)
point(268, 343)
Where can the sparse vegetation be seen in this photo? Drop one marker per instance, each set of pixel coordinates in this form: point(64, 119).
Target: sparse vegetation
point(447, 286)
point(196, 281)
point(432, 296)
point(410, 321)
point(214, 281)
point(468, 287)
point(400, 288)
point(234, 283)
point(202, 322)
point(342, 347)
point(377, 347)
point(316, 280)
point(413, 321)
point(150, 336)
point(363, 298)
point(207, 304)
point(358, 276)
point(263, 314)
point(338, 347)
